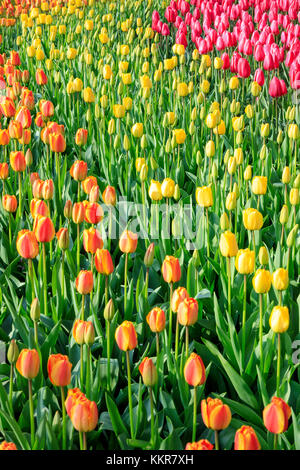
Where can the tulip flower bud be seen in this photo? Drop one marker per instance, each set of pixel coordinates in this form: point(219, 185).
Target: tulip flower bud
point(144, 172)
point(68, 209)
point(286, 175)
point(279, 319)
point(194, 371)
point(153, 163)
point(292, 236)
point(149, 255)
point(35, 310)
point(280, 137)
point(246, 439)
point(56, 422)
point(126, 336)
point(230, 203)
point(89, 333)
point(280, 279)
point(263, 152)
point(248, 173)
point(109, 311)
point(215, 414)
point(63, 238)
point(214, 171)
point(12, 352)
point(239, 141)
point(198, 158)
point(231, 165)
point(28, 363)
point(28, 158)
point(296, 183)
point(148, 372)
point(210, 149)
point(284, 214)
point(176, 192)
point(262, 281)
point(228, 244)
point(276, 416)
point(263, 255)
point(224, 222)
point(294, 196)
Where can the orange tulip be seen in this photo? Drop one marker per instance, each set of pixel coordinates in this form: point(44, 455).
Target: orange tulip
point(92, 240)
point(23, 116)
point(68, 209)
point(10, 203)
point(46, 108)
point(57, 143)
point(78, 212)
point(246, 439)
point(28, 363)
point(84, 282)
point(126, 336)
point(17, 161)
point(109, 196)
point(7, 107)
point(27, 245)
point(37, 188)
point(178, 296)
point(15, 129)
point(26, 137)
point(63, 238)
point(84, 414)
point(148, 372)
point(38, 207)
point(156, 319)
point(128, 242)
point(79, 170)
point(41, 77)
point(7, 446)
point(4, 137)
point(215, 414)
point(73, 395)
point(194, 370)
point(103, 262)
point(203, 444)
point(188, 312)
point(171, 269)
point(44, 229)
point(81, 137)
point(276, 416)
point(48, 190)
point(59, 370)
point(88, 183)
point(78, 331)
point(4, 171)
point(93, 212)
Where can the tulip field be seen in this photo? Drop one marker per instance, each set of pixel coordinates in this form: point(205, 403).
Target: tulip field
point(149, 248)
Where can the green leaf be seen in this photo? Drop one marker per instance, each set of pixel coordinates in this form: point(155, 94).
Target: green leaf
point(19, 437)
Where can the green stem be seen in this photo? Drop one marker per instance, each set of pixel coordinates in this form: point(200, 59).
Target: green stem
point(152, 417)
point(187, 341)
point(82, 306)
point(78, 192)
point(278, 367)
point(36, 333)
point(170, 319)
point(194, 415)
point(129, 394)
point(84, 443)
point(176, 338)
point(9, 228)
point(20, 193)
point(45, 280)
point(81, 366)
point(216, 440)
point(78, 248)
point(125, 281)
point(108, 353)
point(64, 428)
point(11, 378)
point(63, 275)
point(30, 272)
point(261, 331)
point(88, 373)
point(106, 290)
point(229, 284)
point(32, 431)
point(207, 228)
point(254, 249)
point(244, 317)
point(157, 344)
point(275, 441)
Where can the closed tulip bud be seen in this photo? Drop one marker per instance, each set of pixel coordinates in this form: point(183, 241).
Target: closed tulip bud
point(248, 173)
point(263, 152)
point(286, 175)
point(262, 281)
point(246, 439)
point(296, 183)
point(292, 236)
point(143, 173)
point(228, 244)
point(171, 269)
point(244, 261)
point(35, 310)
point(149, 255)
point(168, 187)
point(239, 152)
point(194, 371)
point(179, 295)
point(210, 149)
point(27, 244)
point(44, 229)
point(204, 196)
point(226, 157)
point(153, 163)
point(280, 279)
point(92, 240)
point(148, 372)
point(263, 256)
point(12, 352)
point(89, 333)
point(111, 127)
point(109, 311)
point(17, 161)
point(103, 262)
point(84, 282)
point(279, 319)
point(59, 370)
point(78, 331)
point(265, 130)
point(28, 363)
point(154, 191)
point(294, 196)
point(276, 416)
point(109, 196)
point(236, 190)
point(280, 137)
point(252, 219)
point(63, 238)
point(188, 312)
point(224, 222)
point(233, 83)
point(231, 165)
point(284, 214)
point(28, 158)
point(215, 414)
point(84, 414)
point(156, 320)
point(126, 336)
point(9, 203)
point(230, 203)
point(249, 111)
point(68, 209)
point(128, 242)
